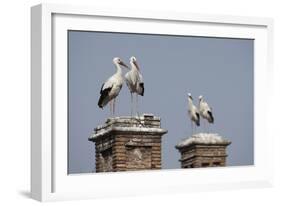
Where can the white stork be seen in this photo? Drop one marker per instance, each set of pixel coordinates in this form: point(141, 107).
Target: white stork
point(193, 112)
point(134, 82)
point(205, 111)
point(111, 88)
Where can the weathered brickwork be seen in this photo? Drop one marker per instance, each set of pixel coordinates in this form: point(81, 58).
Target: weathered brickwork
point(127, 144)
point(203, 152)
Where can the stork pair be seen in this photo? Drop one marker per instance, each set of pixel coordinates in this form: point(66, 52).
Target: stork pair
point(111, 88)
point(204, 111)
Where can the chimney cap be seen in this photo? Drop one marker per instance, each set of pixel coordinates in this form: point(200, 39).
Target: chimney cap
point(145, 124)
point(203, 139)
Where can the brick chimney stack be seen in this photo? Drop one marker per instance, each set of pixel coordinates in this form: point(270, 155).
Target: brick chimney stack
point(203, 150)
point(128, 143)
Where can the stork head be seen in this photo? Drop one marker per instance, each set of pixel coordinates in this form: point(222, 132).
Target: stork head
point(189, 96)
point(117, 60)
point(133, 61)
point(200, 97)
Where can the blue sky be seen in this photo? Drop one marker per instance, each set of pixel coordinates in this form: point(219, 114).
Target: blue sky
point(220, 69)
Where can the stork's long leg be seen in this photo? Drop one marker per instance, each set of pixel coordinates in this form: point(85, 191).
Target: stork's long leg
point(138, 115)
point(191, 127)
point(137, 106)
point(132, 101)
point(113, 107)
point(110, 108)
point(204, 123)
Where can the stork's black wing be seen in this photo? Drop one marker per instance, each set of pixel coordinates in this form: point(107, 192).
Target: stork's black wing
point(103, 95)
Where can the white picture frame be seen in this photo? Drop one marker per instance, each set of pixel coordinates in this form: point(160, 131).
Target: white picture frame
point(49, 179)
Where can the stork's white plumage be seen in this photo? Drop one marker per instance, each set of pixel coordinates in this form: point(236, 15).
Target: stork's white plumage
point(111, 88)
point(193, 112)
point(205, 111)
point(134, 81)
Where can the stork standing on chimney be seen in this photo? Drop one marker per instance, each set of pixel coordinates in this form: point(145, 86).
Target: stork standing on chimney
point(111, 88)
point(205, 111)
point(193, 112)
point(134, 82)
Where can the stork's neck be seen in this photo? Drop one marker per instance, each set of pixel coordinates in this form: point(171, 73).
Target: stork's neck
point(190, 102)
point(118, 69)
point(133, 66)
